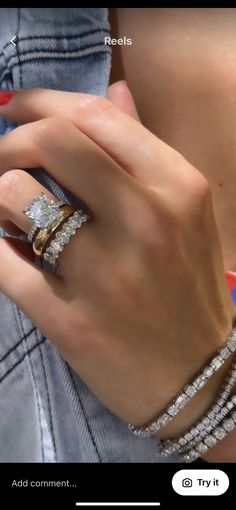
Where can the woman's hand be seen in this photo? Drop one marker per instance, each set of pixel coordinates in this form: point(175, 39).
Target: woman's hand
point(139, 302)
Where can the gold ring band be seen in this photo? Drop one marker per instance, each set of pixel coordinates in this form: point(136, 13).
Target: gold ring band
point(42, 237)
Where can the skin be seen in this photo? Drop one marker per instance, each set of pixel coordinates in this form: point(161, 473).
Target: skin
point(181, 110)
point(181, 72)
point(152, 226)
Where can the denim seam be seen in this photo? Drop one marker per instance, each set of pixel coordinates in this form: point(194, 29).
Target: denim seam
point(34, 385)
point(48, 400)
point(6, 74)
point(17, 344)
point(55, 53)
point(31, 60)
point(2, 54)
point(21, 359)
point(85, 416)
point(64, 58)
point(38, 406)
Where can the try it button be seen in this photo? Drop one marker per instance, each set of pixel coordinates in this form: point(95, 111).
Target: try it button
point(200, 482)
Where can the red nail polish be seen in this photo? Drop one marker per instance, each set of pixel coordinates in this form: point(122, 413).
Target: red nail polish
point(231, 279)
point(6, 96)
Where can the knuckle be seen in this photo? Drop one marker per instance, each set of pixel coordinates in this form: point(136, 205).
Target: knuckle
point(92, 108)
point(199, 199)
point(202, 189)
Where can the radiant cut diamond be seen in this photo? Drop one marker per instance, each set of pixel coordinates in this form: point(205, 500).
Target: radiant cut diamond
point(182, 441)
point(162, 421)
point(221, 402)
point(220, 433)
point(188, 436)
point(216, 364)
point(194, 432)
point(224, 412)
point(228, 425)
point(224, 395)
point(181, 401)
point(190, 391)
point(173, 410)
point(232, 344)
point(233, 399)
point(202, 448)
point(200, 426)
point(225, 352)
point(211, 415)
point(42, 211)
point(208, 372)
point(210, 441)
point(202, 382)
point(189, 457)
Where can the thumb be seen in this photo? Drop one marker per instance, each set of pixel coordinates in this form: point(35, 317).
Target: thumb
point(120, 95)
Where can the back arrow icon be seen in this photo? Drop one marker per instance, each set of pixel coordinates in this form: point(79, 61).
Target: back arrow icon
point(12, 40)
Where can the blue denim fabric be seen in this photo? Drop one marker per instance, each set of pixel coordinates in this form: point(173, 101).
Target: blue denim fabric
point(47, 413)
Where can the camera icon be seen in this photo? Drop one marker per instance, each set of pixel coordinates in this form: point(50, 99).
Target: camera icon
point(187, 482)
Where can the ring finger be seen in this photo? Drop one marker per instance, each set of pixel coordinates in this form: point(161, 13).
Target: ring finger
point(17, 190)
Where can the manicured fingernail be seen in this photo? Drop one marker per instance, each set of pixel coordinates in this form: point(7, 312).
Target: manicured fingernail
point(123, 82)
point(231, 280)
point(6, 96)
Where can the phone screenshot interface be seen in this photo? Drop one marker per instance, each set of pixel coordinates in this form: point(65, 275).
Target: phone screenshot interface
point(117, 256)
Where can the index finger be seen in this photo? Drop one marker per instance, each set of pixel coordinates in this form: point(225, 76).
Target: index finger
point(136, 149)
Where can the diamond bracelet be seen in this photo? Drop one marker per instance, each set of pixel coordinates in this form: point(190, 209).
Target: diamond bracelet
point(189, 390)
point(209, 430)
point(217, 411)
point(219, 433)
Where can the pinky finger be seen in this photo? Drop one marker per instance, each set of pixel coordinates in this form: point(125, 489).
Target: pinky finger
point(21, 280)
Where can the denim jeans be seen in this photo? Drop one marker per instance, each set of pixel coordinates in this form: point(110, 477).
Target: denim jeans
point(47, 413)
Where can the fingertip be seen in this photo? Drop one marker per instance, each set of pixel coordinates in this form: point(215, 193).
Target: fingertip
point(120, 95)
point(6, 96)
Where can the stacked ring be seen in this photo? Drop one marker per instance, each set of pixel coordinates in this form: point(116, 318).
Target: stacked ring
point(53, 225)
point(42, 236)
